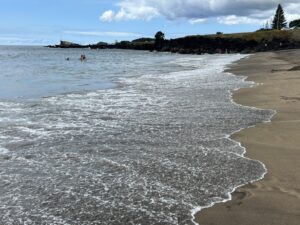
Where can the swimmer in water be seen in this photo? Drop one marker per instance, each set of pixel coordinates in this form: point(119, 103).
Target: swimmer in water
point(82, 58)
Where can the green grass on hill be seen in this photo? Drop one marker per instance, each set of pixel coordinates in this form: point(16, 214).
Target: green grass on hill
point(266, 35)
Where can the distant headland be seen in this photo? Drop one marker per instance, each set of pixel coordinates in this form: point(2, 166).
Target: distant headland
point(259, 41)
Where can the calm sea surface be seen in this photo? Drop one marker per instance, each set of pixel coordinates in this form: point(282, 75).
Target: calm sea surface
point(126, 137)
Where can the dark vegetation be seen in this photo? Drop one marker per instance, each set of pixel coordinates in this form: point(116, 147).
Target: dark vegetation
point(159, 40)
point(295, 23)
point(265, 39)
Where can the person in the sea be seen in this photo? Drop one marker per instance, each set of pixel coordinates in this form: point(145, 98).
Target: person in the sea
point(82, 58)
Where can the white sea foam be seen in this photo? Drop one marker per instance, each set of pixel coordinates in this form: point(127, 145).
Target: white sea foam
point(198, 209)
point(3, 150)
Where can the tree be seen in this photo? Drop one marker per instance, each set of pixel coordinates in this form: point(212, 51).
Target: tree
point(159, 39)
point(295, 23)
point(279, 20)
point(159, 36)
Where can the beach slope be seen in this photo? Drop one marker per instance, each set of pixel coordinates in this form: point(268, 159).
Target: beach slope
point(275, 200)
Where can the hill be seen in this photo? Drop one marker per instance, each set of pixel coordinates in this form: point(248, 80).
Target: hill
point(263, 40)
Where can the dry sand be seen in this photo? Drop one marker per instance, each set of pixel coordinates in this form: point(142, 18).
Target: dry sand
point(275, 200)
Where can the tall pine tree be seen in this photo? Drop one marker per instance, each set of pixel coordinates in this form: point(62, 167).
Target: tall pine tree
point(279, 20)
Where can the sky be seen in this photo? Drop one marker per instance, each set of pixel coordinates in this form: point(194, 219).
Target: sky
point(42, 22)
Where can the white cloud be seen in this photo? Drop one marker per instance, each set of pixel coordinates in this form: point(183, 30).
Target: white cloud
point(291, 17)
point(293, 11)
point(130, 10)
point(198, 11)
point(103, 34)
point(233, 20)
point(107, 16)
point(197, 21)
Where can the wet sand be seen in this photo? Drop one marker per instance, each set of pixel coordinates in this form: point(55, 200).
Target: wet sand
point(275, 200)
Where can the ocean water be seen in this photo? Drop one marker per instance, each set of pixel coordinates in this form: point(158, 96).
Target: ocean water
point(127, 137)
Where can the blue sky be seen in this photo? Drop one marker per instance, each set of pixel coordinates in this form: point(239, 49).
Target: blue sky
point(43, 22)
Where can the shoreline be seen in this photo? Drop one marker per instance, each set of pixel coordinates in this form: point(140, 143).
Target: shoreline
point(197, 211)
point(259, 202)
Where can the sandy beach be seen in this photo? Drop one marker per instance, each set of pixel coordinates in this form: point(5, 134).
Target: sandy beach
point(275, 200)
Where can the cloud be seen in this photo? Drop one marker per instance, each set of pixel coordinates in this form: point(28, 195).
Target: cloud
point(131, 10)
point(293, 11)
point(197, 21)
point(198, 11)
point(233, 20)
point(102, 34)
point(107, 16)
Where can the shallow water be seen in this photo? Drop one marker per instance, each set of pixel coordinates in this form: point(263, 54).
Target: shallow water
point(124, 138)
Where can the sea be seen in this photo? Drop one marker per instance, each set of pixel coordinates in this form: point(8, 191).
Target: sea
point(123, 138)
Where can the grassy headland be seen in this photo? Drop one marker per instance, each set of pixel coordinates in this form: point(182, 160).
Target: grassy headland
point(259, 41)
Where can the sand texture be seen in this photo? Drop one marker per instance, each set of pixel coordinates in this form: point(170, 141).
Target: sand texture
point(275, 200)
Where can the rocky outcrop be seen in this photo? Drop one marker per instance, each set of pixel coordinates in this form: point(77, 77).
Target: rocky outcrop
point(67, 44)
